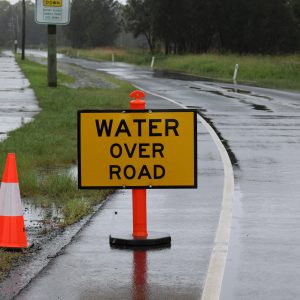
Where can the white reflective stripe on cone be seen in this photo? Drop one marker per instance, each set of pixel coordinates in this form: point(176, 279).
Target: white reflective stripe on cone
point(10, 200)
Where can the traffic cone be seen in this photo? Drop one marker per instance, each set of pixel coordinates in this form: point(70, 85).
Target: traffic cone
point(12, 227)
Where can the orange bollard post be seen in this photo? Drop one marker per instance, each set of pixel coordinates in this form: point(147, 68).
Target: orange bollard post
point(139, 202)
point(140, 236)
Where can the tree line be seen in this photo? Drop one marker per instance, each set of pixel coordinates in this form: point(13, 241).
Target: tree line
point(171, 26)
point(11, 24)
point(93, 23)
point(196, 26)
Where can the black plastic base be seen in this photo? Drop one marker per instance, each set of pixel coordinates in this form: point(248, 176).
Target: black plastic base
point(154, 239)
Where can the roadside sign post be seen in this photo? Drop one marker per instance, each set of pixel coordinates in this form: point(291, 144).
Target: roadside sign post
point(139, 202)
point(23, 29)
point(52, 13)
point(137, 149)
point(52, 63)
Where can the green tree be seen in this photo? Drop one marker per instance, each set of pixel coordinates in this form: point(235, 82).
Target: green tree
point(6, 22)
point(257, 26)
point(139, 16)
point(93, 23)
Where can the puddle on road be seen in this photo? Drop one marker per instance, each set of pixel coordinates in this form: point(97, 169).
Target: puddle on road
point(233, 158)
point(219, 93)
point(199, 108)
point(179, 76)
point(233, 93)
point(261, 107)
point(201, 111)
point(246, 92)
point(223, 91)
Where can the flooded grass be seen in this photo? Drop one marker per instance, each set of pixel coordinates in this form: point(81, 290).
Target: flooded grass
point(75, 209)
point(281, 72)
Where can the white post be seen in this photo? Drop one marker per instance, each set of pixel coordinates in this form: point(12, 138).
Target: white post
point(236, 68)
point(152, 62)
point(113, 58)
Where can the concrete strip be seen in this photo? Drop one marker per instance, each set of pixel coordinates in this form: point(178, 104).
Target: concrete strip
point(213, 283)
point(18, 104)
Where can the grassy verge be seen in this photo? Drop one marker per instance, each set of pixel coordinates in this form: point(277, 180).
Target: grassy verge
point(47, 147)
point(137, 57)
point(281, 72)
point(6, 260)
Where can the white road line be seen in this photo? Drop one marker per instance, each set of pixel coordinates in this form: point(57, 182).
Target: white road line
point(214, 277)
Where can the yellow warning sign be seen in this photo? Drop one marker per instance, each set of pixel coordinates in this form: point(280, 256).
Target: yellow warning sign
point(52, 3)
point(151, 149)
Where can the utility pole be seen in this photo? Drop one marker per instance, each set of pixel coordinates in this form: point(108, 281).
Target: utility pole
point(52, 64)
point(52, 13)
point(23, 28)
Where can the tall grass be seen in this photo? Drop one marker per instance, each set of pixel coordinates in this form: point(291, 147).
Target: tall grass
point(6, 260)
point(134, 56)
point(275, 71)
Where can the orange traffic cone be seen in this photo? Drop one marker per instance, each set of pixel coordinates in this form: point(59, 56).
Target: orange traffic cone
point(12, 229)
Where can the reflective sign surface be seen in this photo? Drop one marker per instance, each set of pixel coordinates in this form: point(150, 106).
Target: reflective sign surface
point(137, 149)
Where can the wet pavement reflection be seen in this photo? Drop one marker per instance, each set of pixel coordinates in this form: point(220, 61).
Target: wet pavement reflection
point(139, 275)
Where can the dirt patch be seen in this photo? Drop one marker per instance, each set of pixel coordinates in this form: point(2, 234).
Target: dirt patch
point(82, 77)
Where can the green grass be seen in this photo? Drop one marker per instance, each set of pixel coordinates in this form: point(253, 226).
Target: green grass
point(47, 147)
point(281, 71)
point(135, 56)
point(6, 261)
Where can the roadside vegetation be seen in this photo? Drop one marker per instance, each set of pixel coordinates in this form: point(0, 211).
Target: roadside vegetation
point(6, 260)
point(274, 71)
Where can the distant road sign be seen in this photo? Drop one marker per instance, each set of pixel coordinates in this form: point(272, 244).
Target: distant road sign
point(56, 12)
point(129, 149)
point(56, 3)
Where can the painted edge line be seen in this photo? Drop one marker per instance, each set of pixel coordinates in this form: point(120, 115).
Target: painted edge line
point(215, 273)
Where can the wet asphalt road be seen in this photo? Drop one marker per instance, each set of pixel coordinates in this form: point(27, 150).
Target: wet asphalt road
point(90, 269)
point(261, 129)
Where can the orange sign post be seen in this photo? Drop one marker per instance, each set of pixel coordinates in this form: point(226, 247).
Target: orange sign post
point(139, 196)
point(137, 149)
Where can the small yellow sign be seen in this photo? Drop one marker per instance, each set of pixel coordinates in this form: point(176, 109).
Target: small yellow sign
point(52, 3)
point(151, 149)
